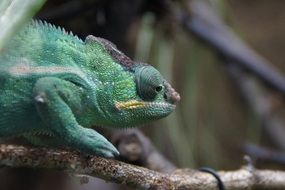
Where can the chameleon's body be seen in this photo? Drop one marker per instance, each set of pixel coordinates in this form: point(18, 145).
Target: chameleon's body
point(54, 87)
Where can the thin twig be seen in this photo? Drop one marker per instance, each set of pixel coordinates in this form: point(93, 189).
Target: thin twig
point(264, 154)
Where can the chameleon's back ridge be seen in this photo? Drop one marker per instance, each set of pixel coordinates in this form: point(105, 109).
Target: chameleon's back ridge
point(50, 28)
point(55, 86)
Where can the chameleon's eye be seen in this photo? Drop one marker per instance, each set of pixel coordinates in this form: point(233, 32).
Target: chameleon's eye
point(158, 88)
point(149, 83)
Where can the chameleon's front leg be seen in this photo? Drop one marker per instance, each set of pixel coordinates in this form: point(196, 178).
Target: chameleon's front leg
point(53, 97)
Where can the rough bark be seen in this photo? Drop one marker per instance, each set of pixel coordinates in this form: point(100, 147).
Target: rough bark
point(134, 176)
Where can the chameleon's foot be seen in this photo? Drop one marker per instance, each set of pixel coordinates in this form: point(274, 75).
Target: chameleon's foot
point(91, 144)
point(94, 143)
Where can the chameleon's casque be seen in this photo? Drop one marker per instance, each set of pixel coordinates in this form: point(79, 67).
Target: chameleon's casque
point(54, 87)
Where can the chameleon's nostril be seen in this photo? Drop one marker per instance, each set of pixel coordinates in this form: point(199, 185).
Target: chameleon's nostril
point(165, 96)
point(172, 96)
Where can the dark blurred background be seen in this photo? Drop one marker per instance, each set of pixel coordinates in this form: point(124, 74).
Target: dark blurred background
point(214, 125)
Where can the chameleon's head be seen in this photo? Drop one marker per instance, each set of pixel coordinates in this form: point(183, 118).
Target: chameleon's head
point(154, 97)
point(136, 92)
point(141, 97)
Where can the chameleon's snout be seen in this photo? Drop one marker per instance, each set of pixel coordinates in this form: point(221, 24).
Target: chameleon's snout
point(170, 94)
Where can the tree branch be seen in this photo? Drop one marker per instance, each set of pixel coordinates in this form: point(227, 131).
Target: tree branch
point(134, 176)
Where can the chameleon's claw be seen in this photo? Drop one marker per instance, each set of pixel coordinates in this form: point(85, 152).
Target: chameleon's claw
point(109, 154)
point(116, 153)
point(108, 151)
point(39, 99)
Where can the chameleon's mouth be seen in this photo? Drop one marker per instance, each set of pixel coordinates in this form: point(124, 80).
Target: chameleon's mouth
point(134, 104)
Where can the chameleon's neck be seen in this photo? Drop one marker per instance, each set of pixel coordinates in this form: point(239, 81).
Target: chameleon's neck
point(53, 44)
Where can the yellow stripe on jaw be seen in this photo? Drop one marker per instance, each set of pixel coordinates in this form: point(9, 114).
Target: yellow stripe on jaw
point(132, 104)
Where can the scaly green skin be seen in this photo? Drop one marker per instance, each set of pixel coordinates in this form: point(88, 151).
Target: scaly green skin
point(54, 87)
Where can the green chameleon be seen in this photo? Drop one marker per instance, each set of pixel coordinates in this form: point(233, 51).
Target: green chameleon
point(54, 87)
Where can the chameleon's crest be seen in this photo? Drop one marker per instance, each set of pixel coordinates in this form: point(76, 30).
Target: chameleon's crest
point(111, 48)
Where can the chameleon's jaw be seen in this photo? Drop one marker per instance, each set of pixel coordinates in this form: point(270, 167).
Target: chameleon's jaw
point(135, 112)
point(134, 104)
